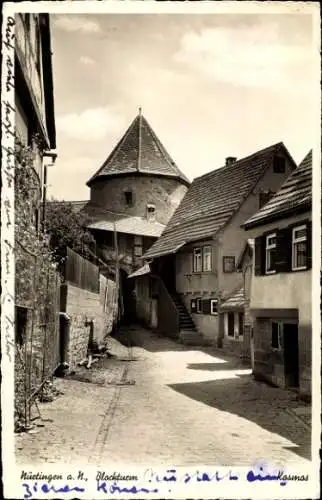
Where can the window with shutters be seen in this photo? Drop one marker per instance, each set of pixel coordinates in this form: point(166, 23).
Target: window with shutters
point(193, 306)
point(196, 306)
point(206, 308)
point(299, 248)
point(259, 267)
point(214, 306)
point(269, 253)
point(197, 260)
point(277, 335)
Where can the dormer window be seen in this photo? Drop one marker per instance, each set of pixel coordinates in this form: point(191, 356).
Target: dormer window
point(264, 197)
point(279, 165)
point(128, 198)
point(150, 212)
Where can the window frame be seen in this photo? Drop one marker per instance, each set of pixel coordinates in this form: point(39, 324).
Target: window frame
point(269, 194)
point(225, 257)
point(212, 302)
point(280, 333)
point(277, 162)
point(194, 268)
point(203, 258)
point(198, 305)
point(269, 248)
point(150, 217)
point(138, 246)
point(129, 202)
point(300, 239)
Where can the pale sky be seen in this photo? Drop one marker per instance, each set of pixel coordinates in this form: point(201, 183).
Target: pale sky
point(210, 86)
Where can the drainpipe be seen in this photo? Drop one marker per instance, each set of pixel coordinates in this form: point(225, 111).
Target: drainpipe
point(53, 157)
point(244, 270)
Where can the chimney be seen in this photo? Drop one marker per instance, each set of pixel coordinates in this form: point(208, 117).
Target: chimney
point(230, 160)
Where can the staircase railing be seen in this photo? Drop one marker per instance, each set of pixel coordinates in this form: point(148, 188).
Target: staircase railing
point(168, 315)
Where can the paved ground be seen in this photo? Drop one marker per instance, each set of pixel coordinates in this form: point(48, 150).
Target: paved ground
point(187, 406)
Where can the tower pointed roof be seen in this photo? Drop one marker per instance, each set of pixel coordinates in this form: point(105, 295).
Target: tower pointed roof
point(139, 150)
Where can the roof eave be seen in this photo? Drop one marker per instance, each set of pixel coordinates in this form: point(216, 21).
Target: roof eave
point(48, 81)
point(277, 216)
point(104, 177)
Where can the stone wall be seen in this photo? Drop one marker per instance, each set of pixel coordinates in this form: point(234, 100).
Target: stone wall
point(164, 193)
point(269, 362)
point(82, 307)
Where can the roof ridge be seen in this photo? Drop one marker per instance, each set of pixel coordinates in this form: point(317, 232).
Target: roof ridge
point(139, 151)
point(115, 149)
point(140, 141)
point(245, 158)
point(160, 146)
point(286, 200)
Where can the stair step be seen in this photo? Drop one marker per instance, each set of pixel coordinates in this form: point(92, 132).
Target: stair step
point(186, 321)
point(191, 338)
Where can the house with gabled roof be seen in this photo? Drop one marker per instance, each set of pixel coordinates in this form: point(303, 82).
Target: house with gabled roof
point(280, 300)
point(195, 257)
point(132, 197)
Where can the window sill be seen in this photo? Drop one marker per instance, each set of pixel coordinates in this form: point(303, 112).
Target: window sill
point(267, 273)
point(303, 268)
point(199, 273)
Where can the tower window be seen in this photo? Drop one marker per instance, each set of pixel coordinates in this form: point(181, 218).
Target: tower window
point(150, 212)
point(128, 198)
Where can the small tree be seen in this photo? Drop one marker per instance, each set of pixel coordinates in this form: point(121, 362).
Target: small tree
point(67, 228)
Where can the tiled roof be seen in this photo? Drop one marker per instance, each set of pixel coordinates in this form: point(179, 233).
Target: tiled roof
point(139, 150)
point(295, 194)
point(212, 200)
point(77, 205)
point(235, 301)
point(142, 271)
point(129, 225)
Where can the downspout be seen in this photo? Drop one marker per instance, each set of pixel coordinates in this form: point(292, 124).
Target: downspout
point(244, 270)
point(53, 156)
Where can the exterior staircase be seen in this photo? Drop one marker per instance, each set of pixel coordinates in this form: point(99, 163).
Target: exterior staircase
point(188, 333)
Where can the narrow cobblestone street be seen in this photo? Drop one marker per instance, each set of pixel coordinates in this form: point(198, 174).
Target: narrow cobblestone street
point(171, 404)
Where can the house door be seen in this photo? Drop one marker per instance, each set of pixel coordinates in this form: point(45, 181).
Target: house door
point(127, 299)
point(291, 355)
point(168, 272)
point(231, 324)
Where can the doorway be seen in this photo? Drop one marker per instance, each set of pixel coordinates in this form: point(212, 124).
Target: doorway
point(291, 354)
point(240, 324)
point(167, 272)
point(127, 299)
point(231, 324)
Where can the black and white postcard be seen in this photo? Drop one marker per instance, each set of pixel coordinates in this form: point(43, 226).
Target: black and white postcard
point(161, 250)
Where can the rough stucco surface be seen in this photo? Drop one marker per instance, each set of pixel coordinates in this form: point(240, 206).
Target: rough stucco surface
point(165, 194)
point(84, 306)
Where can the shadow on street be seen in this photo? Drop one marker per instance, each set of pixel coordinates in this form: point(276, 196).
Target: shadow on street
point(228, 365)
point(256, 403)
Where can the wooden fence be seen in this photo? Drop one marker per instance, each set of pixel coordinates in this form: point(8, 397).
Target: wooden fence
point(80, 272)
